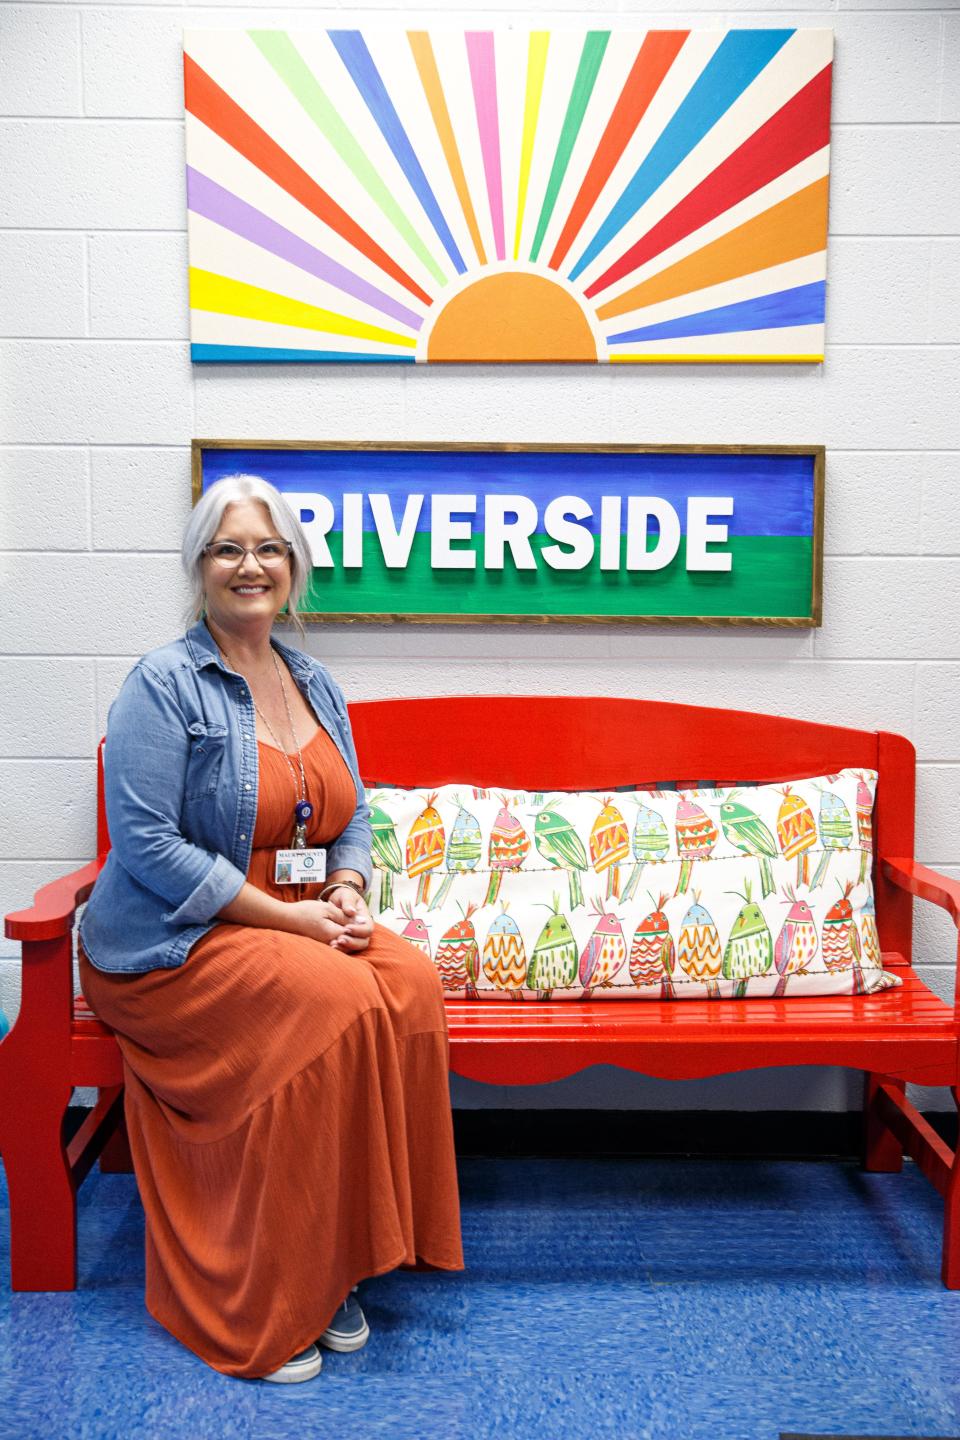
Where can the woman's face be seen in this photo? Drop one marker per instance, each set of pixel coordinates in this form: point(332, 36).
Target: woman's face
point(251, 592)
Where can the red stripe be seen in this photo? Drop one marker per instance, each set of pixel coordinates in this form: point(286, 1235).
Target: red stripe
point(214, 107)
point(798, 129)
point(657, 54)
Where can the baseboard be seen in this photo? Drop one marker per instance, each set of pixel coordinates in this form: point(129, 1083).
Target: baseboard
point(775, 1134)
point(784, 1134)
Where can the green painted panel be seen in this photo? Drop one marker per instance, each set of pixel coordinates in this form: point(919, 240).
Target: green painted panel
point(771, 576)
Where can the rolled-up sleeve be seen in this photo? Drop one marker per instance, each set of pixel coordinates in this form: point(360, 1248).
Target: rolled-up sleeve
point(219, 886)
point(147, 752)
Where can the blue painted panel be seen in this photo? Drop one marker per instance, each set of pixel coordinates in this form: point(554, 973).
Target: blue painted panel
point(773, 493)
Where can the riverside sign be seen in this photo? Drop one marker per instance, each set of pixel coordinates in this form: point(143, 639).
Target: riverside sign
point(725, 534)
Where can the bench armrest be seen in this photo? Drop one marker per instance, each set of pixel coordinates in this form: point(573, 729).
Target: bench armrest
point(927, 884)
point(54, 906)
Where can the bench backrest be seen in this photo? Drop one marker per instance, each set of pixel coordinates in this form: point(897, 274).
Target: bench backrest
point(596, 743)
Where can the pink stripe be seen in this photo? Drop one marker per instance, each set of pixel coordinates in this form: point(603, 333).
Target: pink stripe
point(483, 74)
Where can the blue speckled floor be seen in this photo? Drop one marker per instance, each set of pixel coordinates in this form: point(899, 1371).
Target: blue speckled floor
point(677, 1300)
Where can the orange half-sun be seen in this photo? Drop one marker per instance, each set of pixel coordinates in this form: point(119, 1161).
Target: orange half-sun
point(512, 316)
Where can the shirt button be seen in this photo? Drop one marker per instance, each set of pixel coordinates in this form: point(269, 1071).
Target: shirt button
point(243, 837)
point(248, 787)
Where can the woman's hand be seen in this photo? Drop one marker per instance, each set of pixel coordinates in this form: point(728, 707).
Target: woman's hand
point(317, 919)
point(358, 922)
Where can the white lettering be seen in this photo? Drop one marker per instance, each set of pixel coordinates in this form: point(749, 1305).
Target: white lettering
point(639, 510)
point(510, 522)
point(352, 532)
point(568, 532)
point(444, 530)
point(499, 532)
point(610, 510)
point(315, 513)
point(700, 533)
point(395, 543)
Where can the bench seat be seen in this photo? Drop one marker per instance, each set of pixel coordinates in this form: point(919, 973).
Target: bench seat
point(905, 1031)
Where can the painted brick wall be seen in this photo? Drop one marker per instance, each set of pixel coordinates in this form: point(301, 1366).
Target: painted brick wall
point(98, 404)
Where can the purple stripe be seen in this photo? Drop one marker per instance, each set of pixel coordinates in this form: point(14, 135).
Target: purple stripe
point(205, 197)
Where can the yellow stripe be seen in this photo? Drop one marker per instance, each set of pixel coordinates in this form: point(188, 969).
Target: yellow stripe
point(224, 296)
point(716, 359)
point(536, 67)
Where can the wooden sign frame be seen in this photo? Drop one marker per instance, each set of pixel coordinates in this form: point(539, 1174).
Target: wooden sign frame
point(810, 616)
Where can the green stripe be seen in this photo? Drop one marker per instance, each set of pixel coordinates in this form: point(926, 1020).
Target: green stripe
point(279, 50)
point(593, 49)
point(771, 576)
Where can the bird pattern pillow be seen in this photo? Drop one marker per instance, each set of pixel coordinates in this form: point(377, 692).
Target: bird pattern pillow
point(761, 890)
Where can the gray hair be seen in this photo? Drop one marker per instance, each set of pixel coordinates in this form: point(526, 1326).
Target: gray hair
point(205, 521)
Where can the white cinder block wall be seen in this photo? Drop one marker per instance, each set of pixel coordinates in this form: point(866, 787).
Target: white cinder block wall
point(98, 403)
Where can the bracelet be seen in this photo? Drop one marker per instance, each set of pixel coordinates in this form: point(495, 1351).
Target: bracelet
point(339, 885)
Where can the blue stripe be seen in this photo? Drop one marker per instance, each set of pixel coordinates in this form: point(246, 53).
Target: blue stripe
point(773, 494)
point(735, 64)
point(352, 49)
point(804, 305)
point(240, 354)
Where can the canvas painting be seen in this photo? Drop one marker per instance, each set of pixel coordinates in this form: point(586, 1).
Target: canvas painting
point(406, 197)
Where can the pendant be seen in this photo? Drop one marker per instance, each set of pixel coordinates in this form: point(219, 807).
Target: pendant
point(302, 812)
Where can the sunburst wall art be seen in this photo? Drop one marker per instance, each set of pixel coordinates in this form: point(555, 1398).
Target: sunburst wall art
point(416, 196)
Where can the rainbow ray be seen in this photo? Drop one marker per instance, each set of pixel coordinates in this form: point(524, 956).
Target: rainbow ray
point(206, 197)
point(797, 130)
point(277, 355)
point(787, 231)
point(737, 63)
point(803, 305)
point(214, 107)
point(483, 76)
point(426, 64)
point(352, 49)
point(656, 55)
point(224, 296)
point(536, 70)
point(281, 53)
point(591, 57)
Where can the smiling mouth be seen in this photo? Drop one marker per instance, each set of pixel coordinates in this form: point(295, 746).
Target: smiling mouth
point(250, 589)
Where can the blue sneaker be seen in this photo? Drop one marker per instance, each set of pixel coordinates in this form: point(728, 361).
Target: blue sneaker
point(302, 1367)
point(348, 1330)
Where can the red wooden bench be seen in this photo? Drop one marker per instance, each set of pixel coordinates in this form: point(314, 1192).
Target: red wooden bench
point(902, 1034)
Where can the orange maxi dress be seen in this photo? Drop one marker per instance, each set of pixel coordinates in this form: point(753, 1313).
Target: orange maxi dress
point(288, 1110)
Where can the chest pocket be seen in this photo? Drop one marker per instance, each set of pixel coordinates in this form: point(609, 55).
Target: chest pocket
point(207, 746)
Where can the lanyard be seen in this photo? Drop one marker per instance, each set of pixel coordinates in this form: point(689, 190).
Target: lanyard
point(302, 810)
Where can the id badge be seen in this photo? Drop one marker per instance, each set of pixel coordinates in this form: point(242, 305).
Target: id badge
point(301, 867)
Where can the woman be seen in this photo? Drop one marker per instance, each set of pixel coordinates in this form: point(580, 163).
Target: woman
point(285, 1058)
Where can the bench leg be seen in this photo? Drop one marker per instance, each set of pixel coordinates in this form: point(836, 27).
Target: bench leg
point(115, 1157)
point(43, 1209)
point(951, 1222)
point(882, 1151)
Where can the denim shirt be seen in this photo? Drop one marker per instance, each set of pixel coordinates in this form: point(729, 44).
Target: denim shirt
point(181, 789)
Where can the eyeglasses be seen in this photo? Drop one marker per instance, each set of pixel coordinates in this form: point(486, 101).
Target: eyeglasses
point(269, 553)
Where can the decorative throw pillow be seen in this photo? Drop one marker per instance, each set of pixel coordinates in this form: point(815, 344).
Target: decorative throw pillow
point(761, 890)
